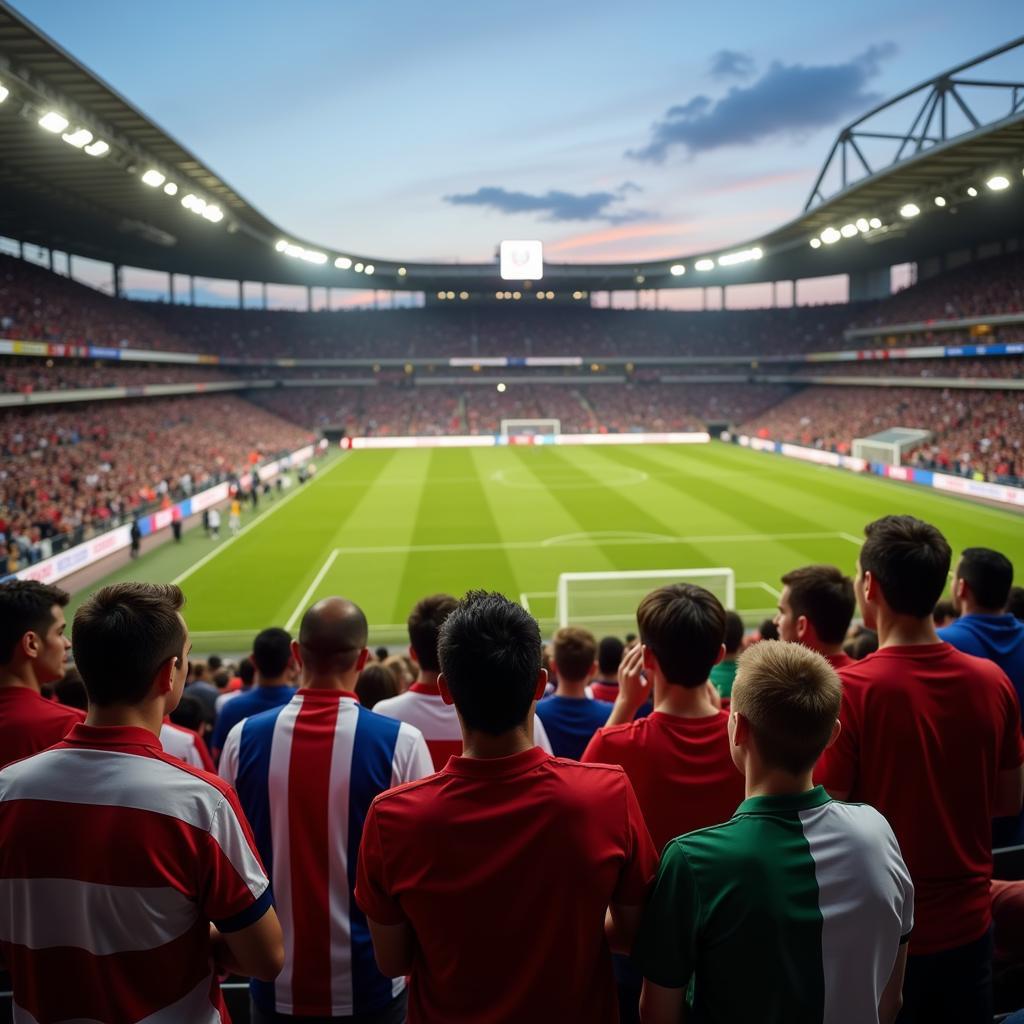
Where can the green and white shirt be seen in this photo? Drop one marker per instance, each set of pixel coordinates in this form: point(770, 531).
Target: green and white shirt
point(792, 911)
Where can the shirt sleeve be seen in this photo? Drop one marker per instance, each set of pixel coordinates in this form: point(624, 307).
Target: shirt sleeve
point(902, 880)
point(372, 893)
point(641, 862)
point(592, 753)
point(836, 769)
point(235, 891)
point(1012, 753)
point(412, 758)
point(666, 947)
point(227, 767)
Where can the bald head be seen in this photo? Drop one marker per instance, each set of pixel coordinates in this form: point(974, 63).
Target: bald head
point(332, 636)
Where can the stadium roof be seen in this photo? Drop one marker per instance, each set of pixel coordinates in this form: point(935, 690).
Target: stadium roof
point(59, 196)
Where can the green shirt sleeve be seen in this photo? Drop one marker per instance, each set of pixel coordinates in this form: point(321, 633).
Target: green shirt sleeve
point(666, 948)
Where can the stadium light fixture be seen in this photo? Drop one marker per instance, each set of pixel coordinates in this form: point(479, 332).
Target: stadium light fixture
point(440, 296)
point(369, 268)
point(640, 278)
point(401, 270)
point(4, 92)
point(998, 183)
point(53, 121)
point(170, 189)
point(214, 214)
point(731, 259)
point(499, 296)
point(450, 295)
point(908, 210)
point(343, 263)
point(540, 296)
point(875, 223)
point(98, 148)
point(940, 201)
point(830, 236)
point(677, 270)
point(972, 191)
point(815, 243)
point(501, 387)
point(463, 296)
point(705, 264)
point(551, 295)
point(281, 245)
point(312, 256)
point(153, 178)
point(848, 230)
point(517, 296)
point(862, 224)
point(78, 138)
point(358, 268)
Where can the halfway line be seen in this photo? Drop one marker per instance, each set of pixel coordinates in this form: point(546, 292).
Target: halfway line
point(324, 569)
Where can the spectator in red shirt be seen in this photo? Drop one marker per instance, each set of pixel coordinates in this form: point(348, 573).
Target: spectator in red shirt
point(931, 738)
point(490, 882)
point(815, 609)
point(33, 649)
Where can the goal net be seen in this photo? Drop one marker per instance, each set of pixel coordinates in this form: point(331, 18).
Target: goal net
point(606, 602)
point(889, 446)
point(530, 427)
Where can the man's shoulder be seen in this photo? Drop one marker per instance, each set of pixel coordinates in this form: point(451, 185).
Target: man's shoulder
point(616, 736)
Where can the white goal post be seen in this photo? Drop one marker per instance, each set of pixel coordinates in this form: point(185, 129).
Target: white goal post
point(889, 446)
point(514, 427)
point(607, 601)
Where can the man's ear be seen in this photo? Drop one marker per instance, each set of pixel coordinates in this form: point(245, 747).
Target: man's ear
point(364, 656)
point(542, 684)
point(297, 653)
point(413, 655)
point(960, 588)
point(650, 659)
point(442, 685)
point(30, 644)
point(836, 730)
point(163, 681)
point(721, 655)
point(740, 730)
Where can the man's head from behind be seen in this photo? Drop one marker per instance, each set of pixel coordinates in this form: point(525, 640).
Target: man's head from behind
point(272, 653)
point(131, 644)
point(815, 607)
point(32, 631)
point(682, 627)
point(785, 708)
point(609, 656)
point(575, 654)
point(424, 625)
point(332, 641)
point(903, 567)
point(733, 634)
point(982, 582)
point(490, 653)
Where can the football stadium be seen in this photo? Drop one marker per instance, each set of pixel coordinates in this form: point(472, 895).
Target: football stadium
point(606, 606)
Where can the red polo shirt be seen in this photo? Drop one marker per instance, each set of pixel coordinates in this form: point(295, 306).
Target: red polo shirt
point(926, 730)
point(30, 723)
point(681, 769)
point(504, 869)
point(840, 660)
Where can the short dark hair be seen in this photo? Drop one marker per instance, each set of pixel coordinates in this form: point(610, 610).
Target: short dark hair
point(825, 597)
point(271, 651)
point(189, 713)
point(121, 637)
point(26, 606)
point(246, 671)
point(863, 644)
point(424, 624)
point(943, 610)
point(490, 653)
point(574, 652)
point(733, 632)
point(375, 683)
point(768, 630)
point(790, 697)
point(70, 691)
point(609, 655)
point(1015, 603)
point(909, 559)
point(989, 574)
point(683, 625)
point(214, 662)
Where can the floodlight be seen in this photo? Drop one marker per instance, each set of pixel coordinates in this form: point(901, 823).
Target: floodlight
point(862, 224)
point(189, 201)
point(343, 263)
point(517, 296)
point(98, 148)
point(281, 245)
point(463, 296)
point(551, 295)
point(499, 295)
point(815, 243)
point(522, 260)
point(401, 270)
point(640, 278)
point(440, 295)
point(171, 189)
point(312, 256)
point(4, 92)
point(730, 259)
point(540, 295)
point(450, 295)
point(358, 268)
point(848, 230)
point(909, 210)
point(677, 270)
point(78, 138)
point(830, 236)
point(998, 182)
point(875, 223)
point(369, 268)
point(153, 178)
point(940, 201)
point(53, 122)
point(705, 264)
point(501, 388)
point(972, 191)
point(213, 213)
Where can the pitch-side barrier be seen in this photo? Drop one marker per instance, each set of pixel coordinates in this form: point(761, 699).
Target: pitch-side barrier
point(500, 440)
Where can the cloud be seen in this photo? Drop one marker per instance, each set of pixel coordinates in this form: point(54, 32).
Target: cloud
point(554, 204)
point(787, 99)
point(732, 64)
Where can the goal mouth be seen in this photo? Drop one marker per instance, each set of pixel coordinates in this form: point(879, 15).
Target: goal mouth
point(529, 428)
point(606, 602)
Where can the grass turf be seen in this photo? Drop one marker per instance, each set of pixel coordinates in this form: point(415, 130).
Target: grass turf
point(387, 527)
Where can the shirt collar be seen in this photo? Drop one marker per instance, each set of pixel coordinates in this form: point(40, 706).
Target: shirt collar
point(497, 767)
point(432, 688)
point(322, 696)
point(103, 736)
point(790, 803)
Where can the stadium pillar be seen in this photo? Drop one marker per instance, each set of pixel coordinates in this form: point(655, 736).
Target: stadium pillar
point(775, 294)
point(309, 298)
point(170, 287)
point(117, 281)
point(241, 296)
point(51, 259)
point(724, 296)
point(264, 294)
point(191, 289)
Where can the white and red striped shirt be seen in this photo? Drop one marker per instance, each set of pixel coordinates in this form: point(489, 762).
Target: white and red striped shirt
point(114, 859)
point(423, 706)
point(186, 745)
point(306, 773)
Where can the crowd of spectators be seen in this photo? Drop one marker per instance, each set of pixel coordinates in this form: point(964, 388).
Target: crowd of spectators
point(987, 368)
point(69, 473)
point(27, 375)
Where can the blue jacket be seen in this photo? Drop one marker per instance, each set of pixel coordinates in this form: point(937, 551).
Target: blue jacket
point(1000, 638)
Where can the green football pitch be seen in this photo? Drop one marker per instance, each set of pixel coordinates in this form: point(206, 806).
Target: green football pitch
point(388, 527)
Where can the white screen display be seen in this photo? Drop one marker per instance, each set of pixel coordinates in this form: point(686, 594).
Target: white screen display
point(522, 260)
